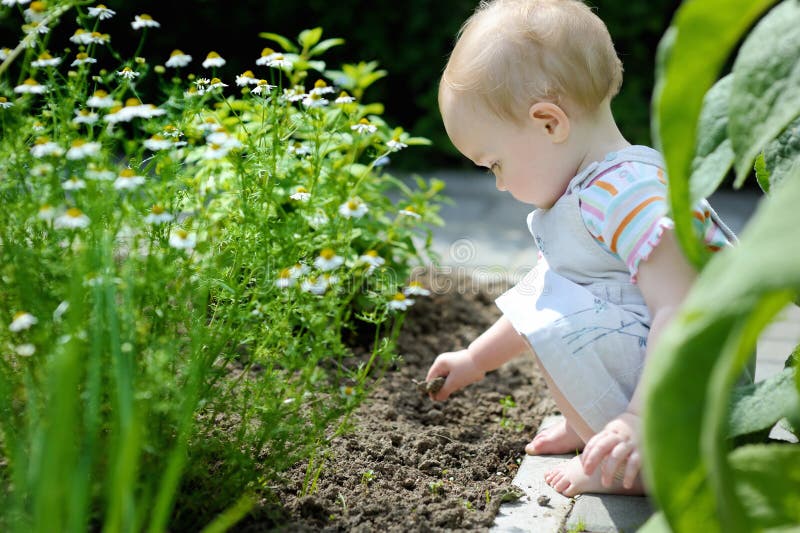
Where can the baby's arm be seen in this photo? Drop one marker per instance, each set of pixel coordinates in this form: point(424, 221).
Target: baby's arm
point(664, 278)
point(495, 346)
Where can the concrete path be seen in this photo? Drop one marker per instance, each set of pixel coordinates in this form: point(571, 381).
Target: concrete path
point(486, 237)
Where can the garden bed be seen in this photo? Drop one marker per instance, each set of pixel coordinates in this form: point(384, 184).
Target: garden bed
point(415, 465)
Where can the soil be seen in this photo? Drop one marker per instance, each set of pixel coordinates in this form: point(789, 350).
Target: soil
point(412, 464)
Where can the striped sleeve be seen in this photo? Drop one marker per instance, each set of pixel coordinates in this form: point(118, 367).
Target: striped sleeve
point(625, 208)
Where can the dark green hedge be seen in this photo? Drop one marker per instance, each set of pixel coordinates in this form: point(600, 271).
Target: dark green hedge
point(410, 39)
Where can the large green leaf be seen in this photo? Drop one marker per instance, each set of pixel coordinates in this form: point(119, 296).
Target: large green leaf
point(759, 406)
point(689, 378)
point(713, 154)
point(705, 33)
point(767, 481)
point(766, 84)
point(782, 155)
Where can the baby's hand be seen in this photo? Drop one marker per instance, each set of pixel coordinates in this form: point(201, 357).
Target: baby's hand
point(616, 445)
point(460, 370)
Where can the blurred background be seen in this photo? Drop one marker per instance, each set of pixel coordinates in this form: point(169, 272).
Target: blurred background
point(409, 39)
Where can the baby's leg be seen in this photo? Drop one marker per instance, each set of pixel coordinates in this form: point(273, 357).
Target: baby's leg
point(556, 439)
point(569, 478)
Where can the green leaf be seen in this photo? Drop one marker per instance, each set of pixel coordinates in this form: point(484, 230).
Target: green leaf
point(698, 357)
point(417, 141)
point(285, 43)
point(705, 33)
point(782, 155)
point(324, 46)
point(713, 155)
point(766, 85)
point(762, 174)
point(760, 406)
point(767, 481)
point(309, 38)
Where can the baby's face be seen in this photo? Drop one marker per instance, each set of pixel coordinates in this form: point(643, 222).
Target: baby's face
point(523, 158)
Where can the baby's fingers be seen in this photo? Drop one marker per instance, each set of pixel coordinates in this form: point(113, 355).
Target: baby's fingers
point(614, 461)
point(596, 450)
point(632, 469)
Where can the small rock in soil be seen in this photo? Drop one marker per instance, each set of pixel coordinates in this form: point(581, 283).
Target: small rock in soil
point(429, 387)
point(543, 501)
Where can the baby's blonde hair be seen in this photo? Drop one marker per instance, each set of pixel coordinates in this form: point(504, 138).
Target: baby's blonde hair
point(513, 53)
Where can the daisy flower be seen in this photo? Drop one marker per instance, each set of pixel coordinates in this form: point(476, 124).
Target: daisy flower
point(295, 94)
point(144, 21)
point(46, 60)
point(328, 260)
point(318, 219)
point(4, 53)
point(81, 149)
point(73, 218)
point(285, 279)
point(30, 86)
point(82, 58)
point(364, 126)
point(320, 88)
point(172, 132)
point(415, 288)
point(101, 99)
point(213, 59)
point(97, 38)
point(409, 212)
point(101, 12)
point(353, 208)
point(315, 285)
point(158, 215)
point(182, 239)
point(246, 78)
point(299, 269)
point(128, 179)
point(399, 302)
point(267, 55)
point(279, 61)
point(95, 172)
point(215, 83)
point(41, 170)
point(395, 145)
point(178, 59)
point(298, 148)
point(22, 321)
point(262, 87)
point(36, 12)
point(12, 3)
point(344, 98)
point(73, 184)
point(25, 350)
point(47, 212)
point(35, 27)
point(4, 103)
point(300, 194)
point(372, 258)
point(157, 142)
point(314, 100)
point(44, 147)
point(127, 73)
point(84, 116)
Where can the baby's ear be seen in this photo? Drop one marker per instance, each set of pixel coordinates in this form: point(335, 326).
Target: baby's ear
point(551, 119)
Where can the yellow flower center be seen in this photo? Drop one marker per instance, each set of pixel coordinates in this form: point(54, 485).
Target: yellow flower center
point(77, 143)
point(176, 53)
point(248, 74)
point(266, 52)
point(352, 205)
point(45, 55)
point(301, 189)
point(46, 207)
point(410, 209)
point(399, 297)
point(371, 253)
point(182, 234)
point(42, 140)
point(127, 173)
point(156, 137)
point(100, 93)
point(320, 84)
point(82, 55)
point(327, 254)
point(344, 94)
point(19, 314)
point(101, 6)
point(115, 109)
point(74, 212)
point(364, 121)
point(157, 210)
point(130, 102)
point(214, 81)
point(30, 81)
point(212, 55)
point(3, 99)
point(285, 273)
point(38, 7)
point(145, 16)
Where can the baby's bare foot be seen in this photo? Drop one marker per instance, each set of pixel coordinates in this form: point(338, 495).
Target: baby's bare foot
point(569, 479)
point(558, 438)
